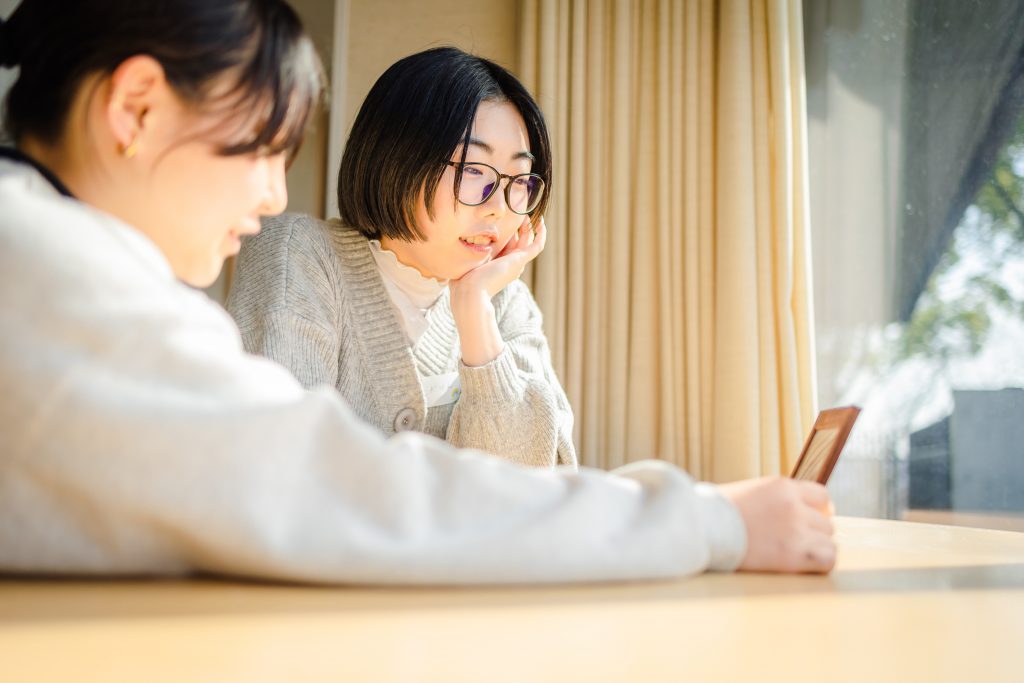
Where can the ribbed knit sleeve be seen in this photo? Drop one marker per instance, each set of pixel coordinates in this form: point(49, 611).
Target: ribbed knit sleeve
point(284, 302)
point(514, 406)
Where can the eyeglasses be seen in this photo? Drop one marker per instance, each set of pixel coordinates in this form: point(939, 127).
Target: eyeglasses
point(476, 183)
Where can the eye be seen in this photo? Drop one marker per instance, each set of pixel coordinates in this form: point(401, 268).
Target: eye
point(472, 171)
point(523, 182)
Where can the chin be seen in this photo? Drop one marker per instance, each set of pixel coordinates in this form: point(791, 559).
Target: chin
point(201, 278)
point(458, 273)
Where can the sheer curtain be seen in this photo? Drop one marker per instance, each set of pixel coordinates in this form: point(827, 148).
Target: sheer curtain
point(676, 284)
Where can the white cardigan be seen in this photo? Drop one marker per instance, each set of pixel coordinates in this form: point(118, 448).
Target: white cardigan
point(137, 437)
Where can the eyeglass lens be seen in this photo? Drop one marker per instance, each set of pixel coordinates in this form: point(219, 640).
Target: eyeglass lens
point(479, 180)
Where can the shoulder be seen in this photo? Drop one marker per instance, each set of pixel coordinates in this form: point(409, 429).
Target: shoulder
point(291, 258)
point(287, 236)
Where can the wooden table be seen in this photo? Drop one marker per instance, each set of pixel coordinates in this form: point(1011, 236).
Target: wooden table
point(908, 602)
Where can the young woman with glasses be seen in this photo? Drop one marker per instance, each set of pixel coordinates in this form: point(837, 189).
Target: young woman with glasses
point(410, 305)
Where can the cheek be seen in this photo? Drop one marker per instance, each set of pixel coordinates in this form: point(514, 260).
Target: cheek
point(445, 223)
point(510, 223)
point(447, 211)
point(200, 193)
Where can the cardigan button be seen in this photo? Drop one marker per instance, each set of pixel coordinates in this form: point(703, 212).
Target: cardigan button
point(405, 420)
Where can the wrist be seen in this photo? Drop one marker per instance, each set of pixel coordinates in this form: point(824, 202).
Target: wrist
point(475, 321)
point(469, 302)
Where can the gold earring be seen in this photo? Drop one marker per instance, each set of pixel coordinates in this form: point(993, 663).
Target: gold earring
point(132, 148)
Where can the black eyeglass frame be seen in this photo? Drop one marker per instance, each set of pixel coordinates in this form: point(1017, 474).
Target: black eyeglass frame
point(459, 166)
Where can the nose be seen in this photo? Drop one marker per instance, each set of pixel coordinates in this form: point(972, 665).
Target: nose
point(497, 203)
point(275, 197)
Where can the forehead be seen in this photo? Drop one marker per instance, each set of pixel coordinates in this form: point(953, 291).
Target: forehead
point(500, 125)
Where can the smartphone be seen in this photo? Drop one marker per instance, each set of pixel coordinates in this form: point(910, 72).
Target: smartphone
point(825, 443)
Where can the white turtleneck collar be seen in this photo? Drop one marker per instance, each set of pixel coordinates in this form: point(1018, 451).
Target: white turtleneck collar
point(411, 292)
point(422, 291)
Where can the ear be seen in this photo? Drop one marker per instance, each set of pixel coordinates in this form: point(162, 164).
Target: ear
point(137, 85)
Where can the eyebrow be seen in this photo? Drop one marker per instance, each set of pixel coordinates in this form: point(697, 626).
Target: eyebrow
point(490, 150)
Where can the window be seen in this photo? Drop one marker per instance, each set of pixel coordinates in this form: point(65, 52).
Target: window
point(916, 132)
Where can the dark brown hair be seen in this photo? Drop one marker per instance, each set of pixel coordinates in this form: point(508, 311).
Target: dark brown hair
point(259, 44)
point(412, 121)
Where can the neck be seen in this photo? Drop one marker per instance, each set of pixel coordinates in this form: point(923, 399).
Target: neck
point(85, 174)
point(80, 159)
point(49, 157)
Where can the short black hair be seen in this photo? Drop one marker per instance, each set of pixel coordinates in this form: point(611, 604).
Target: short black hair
point(415, 116)
point(259, 44)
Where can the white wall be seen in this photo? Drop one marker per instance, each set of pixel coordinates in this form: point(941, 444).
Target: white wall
point(377, 33)
point(306, 175)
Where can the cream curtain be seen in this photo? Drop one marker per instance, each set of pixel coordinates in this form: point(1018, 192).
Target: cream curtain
point(676, 285)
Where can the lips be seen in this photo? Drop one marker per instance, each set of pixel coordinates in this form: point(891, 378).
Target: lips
point(480, 244)
point(235, 235)
point(247, 228)
point(480, 239)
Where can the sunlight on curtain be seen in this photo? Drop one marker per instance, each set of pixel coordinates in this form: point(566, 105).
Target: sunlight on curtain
point(676, 283)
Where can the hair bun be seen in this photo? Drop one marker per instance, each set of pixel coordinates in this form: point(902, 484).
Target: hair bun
point(8, 52)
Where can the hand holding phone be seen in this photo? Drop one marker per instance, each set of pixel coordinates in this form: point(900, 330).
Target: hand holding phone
point(825, 443)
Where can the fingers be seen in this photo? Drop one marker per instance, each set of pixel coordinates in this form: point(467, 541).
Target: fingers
point(528, 239)
point(524, 234)
point(788, 528)
point(814, 494)
point(516, 241)
point(819, 550)
point(817, 507)
point(526, 228)
point(818, 522)
point(818, 556)
point(540, 235)
point(532, 238)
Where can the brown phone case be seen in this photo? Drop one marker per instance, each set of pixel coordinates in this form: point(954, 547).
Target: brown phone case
point(825, 443)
